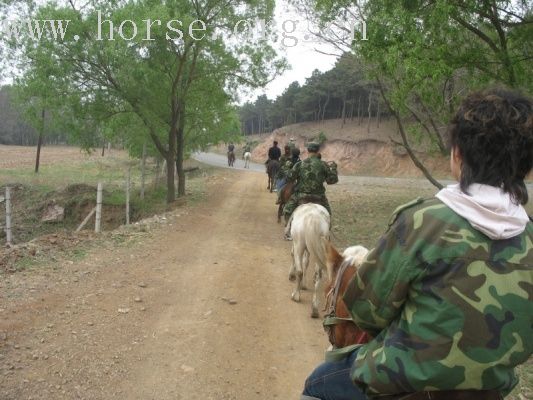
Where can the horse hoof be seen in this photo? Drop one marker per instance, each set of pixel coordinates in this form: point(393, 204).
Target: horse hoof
point(295, 297)
point(314, 314)
point(292, 277)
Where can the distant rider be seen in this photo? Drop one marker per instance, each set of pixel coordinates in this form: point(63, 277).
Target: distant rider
point(274, 153)
point(281, 177)
point(285, 169)
point(247, 149)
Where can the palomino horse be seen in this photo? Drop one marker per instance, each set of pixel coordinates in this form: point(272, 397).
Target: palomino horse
point(341, 330)
point(247, 157)
point(231, 158)
point(272, 171)
point(309, 227)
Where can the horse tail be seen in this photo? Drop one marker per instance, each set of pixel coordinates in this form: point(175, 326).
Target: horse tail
point(317, 242)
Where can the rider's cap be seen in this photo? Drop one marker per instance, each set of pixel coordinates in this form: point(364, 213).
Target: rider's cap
point(313, 147)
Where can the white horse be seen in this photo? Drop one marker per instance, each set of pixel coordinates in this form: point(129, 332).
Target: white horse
point(309, 228)
point(247, 158)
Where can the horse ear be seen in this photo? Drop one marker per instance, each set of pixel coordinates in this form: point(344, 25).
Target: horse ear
point(333, 258)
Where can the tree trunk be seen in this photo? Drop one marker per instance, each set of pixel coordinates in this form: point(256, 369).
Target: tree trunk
point(359, 114)
point(325, 106)
point(103, 149)
point(181, 152)
point(157, 171)
point(343, 111)
point(39, 142)
point(369, 112)
point(378, 115)
point(170, 159)
point(143, 171)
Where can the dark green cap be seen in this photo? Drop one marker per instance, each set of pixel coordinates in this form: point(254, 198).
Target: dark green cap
point(312, 146)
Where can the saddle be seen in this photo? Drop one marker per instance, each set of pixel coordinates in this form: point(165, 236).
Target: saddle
point(311, 198)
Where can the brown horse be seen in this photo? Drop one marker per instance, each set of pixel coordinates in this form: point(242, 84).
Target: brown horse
point(340, 328)
point(231, 158)
point(272, 170)
point(286, 192)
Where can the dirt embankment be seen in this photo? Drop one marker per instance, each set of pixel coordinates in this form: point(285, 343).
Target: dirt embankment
point(362, 156)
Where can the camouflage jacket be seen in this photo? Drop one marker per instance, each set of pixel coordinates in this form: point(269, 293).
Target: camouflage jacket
point(285, 167)
point(310, 175)
point(449, 307)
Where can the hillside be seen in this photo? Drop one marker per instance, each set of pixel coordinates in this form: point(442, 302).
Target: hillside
point(356, 150)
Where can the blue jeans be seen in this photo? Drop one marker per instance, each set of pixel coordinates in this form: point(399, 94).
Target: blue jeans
point(280, 183)
point(331, 381)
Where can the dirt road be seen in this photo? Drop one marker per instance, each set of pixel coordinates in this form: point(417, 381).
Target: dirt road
point(199, 309)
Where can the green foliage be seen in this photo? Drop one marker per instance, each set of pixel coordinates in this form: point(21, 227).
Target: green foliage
point(176, 93)
point(427, 55)
point(332, 94)
point(321, 138)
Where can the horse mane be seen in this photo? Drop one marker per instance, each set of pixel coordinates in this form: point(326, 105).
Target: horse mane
point(345, 333)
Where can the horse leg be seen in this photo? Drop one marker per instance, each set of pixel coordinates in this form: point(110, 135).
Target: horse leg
point(305, 265)
point(292, 271)
point(318, 277)
point(297, 271)
point(280, 212)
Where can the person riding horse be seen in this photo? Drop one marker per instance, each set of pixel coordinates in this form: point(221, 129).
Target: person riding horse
point(247, 149)
point(231, 154)
point(446, 293)
point(274, 152)
point(272, 165)
point(310, 175)
point(284, 170)
point(281, 177)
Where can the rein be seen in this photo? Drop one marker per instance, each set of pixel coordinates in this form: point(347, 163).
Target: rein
point(331, 318)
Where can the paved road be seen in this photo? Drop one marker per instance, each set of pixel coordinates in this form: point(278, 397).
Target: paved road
point(348, 180)
point(219, 160)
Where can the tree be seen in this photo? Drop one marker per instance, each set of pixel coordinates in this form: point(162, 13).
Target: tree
point(151, 71)
point(426, 54)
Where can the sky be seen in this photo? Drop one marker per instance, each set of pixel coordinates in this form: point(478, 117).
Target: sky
point(300, 52)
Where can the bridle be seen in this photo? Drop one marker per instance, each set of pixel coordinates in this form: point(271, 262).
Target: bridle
point(331, 319)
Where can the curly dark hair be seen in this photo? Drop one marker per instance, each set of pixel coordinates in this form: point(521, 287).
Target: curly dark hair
point(493, 132)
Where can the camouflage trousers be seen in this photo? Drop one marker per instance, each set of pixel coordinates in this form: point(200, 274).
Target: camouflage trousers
point(301, 198)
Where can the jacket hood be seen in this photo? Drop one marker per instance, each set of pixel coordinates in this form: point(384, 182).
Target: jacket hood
point(488, 209)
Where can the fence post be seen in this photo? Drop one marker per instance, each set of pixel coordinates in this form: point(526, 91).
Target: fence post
point(9, 236)
point(98, 220)
point(128, 181)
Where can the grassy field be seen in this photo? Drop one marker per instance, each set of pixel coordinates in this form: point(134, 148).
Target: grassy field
point(71, 184)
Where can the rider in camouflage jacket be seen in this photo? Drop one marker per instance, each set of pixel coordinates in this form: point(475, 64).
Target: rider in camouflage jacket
point(435, 335)
point(310, 175)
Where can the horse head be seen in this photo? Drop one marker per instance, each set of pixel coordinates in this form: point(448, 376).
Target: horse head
point(338, 324)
